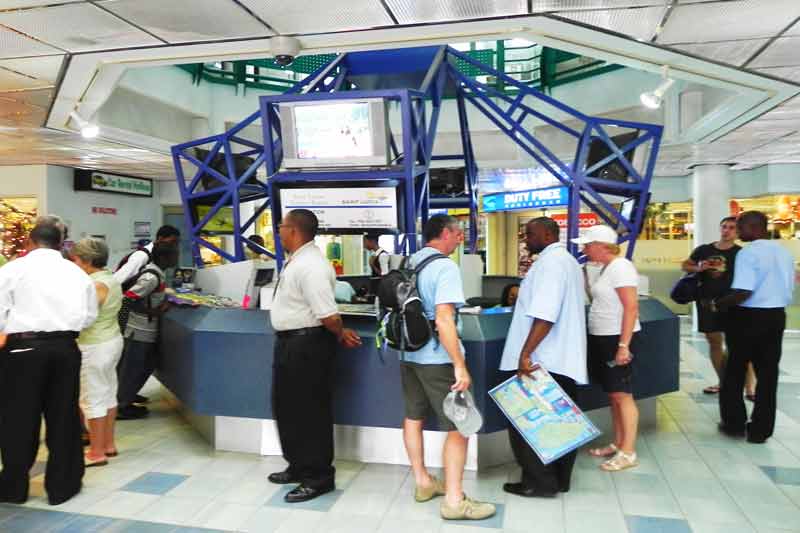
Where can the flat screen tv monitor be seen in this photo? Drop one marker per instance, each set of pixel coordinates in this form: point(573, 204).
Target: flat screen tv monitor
point(447, 181)
point(221, 223)
point(346, 209)
point(335, 133)
point(613, 170)
point(627, 208)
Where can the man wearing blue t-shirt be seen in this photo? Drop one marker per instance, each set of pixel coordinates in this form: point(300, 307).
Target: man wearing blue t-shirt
point(430, 373)
point(763, 282)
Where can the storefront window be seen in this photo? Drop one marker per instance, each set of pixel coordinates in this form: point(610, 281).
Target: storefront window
point(17, 217)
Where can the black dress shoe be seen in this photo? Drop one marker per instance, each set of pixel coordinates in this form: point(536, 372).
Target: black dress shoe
point(140, 399)
point(520, 489)
point(131, 412)
point(303, 493)
point(729, 431)
point(282, 478)
point(19, 501)
point(753, 438)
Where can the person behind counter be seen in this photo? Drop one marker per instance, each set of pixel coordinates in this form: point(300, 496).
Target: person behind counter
point(379, 259)
point(508, 297)
point(139, 355)
point(763, 283)
point(44, 302)
point(429, 374)
point(101, 347)
point(548, 327)
point(251, 252)
point(612, 341)
point(307, 325)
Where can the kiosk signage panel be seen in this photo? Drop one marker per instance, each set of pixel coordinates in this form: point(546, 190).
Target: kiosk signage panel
point(348, 208)
point(507, 201)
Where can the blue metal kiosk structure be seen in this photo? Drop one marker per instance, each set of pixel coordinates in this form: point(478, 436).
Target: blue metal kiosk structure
point(417, 80)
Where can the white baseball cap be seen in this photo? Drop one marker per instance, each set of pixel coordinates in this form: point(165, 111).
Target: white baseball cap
point(598, 233)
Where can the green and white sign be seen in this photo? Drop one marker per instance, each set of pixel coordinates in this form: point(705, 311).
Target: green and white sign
point(86, 180)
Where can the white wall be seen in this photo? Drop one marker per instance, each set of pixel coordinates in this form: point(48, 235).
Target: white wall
point(75, 207)
point(28, 181)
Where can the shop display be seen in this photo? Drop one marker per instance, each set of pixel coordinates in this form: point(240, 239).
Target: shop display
point(190, 298)
point(17, 218)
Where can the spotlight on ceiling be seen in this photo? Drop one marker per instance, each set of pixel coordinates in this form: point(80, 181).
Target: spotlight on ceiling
point(88, 130)
point(653, 99)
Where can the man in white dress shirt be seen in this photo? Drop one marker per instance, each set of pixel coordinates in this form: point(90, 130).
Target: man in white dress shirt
point(549, 328)
point(307, 327)
point(45, 301)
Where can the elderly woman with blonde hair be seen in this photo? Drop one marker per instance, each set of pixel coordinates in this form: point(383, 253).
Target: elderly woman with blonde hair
point(101, 345)
point(612, 340)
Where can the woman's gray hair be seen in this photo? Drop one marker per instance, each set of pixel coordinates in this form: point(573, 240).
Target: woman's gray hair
point(91, 251)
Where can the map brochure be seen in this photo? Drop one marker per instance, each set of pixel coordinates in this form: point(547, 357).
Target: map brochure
point(546, 417)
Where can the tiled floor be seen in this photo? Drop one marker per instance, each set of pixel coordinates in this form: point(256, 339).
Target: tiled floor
point(166, 479)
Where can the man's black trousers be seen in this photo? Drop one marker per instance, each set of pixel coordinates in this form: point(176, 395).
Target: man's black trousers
point(551, 478)
point(302, 404)
point(40, 377)
point(753, 335)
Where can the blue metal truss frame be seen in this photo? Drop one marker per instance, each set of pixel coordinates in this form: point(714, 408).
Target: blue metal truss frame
point(412, 163)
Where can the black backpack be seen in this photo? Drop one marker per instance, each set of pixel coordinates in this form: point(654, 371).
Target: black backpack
point(404, 325)
point(130, 304)
point(130, 282)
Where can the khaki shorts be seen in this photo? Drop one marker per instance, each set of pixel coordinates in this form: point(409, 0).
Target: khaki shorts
point(424, 390)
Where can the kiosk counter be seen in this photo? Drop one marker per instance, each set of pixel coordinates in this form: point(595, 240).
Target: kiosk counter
point(218, 365)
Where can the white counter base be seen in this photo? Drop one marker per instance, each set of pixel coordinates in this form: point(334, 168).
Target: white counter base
point(375, 444)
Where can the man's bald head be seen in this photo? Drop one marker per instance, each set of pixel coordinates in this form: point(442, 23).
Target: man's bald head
point(752, 225)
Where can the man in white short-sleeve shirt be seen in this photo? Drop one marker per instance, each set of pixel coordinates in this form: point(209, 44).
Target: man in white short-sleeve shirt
point(548, 327)
point(307, 326)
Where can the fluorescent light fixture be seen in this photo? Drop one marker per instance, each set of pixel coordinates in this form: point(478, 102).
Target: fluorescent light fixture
point(653, 99)
point(88, 130)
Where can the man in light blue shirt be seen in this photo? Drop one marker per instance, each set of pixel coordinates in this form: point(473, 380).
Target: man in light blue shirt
point(763, 282)
point(429, 374)
point(549, 328)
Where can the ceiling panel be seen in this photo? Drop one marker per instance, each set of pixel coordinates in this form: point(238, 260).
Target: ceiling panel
point(639, 23)
point(13, 81)
point(12, 44)
point(310, 16)
point(16, 4)
point(77, 28)
point(731, 52)
point(42, 68)
point(726, 21)
point(786, 73)
point(413, 11)
point(39, 97)
point(781, 53)
point(538, 6)
point(179, 21)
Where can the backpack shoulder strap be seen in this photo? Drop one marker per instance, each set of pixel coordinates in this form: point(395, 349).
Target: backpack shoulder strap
point(428, 260)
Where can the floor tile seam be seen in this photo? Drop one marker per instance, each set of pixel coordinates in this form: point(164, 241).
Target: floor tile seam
point(394, 497)
point(718, 479)
point(619, 503)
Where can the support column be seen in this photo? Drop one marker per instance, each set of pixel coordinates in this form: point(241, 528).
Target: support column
point(711, 186)
point(710, 199)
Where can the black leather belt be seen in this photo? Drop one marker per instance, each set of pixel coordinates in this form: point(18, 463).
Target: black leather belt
point(42, 335)
point(300, 331)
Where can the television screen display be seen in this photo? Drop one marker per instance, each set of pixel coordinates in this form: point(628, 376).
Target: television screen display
point(333, 130)
point(613, 170)
point(221, 223)
point(334, 133)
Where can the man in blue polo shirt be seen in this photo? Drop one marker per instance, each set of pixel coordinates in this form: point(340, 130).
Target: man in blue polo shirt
point(548, 327)
point(429, 374)
point(763, 282)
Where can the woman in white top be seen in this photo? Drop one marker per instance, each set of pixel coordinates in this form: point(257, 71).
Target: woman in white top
point(613, 322)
